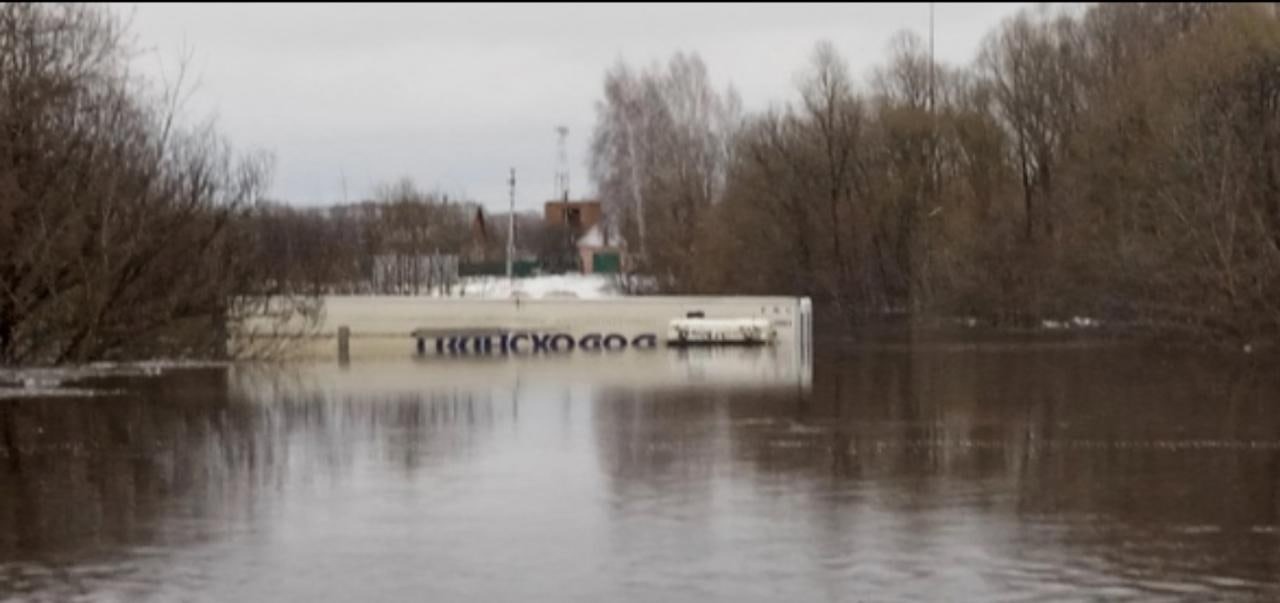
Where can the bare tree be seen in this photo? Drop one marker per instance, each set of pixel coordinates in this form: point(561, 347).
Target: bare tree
point(1118, 161)
point(118, 229)
point(1023, 60)
point(659, 154)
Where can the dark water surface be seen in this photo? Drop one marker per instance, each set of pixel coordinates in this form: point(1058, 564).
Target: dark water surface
point(938, 472)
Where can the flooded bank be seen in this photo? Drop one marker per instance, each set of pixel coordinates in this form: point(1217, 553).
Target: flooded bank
point(949, 470)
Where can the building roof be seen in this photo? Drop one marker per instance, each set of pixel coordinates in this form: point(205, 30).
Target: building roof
point(480, 225)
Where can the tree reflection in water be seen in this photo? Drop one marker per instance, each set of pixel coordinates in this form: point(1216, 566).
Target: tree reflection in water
point(1036, 468)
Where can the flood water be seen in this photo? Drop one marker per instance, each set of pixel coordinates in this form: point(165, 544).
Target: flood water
point(943, 471)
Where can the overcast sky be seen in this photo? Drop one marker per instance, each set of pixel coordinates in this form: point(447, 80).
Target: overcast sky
point(454, 96)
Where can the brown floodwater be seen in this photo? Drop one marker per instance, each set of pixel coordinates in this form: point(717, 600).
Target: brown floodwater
point(935, 471)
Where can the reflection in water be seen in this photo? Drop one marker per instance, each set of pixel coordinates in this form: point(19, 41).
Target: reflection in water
point(933, 471)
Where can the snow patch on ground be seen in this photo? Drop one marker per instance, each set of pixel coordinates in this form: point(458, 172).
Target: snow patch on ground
point(52, 392)
point(37, 382)
point(573, 286)
point(1078, 322)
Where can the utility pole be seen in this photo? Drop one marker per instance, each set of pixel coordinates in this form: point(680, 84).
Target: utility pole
point(511, 228)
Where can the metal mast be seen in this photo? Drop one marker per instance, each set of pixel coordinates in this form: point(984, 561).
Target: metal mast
point(562, 164)
point(511, 225)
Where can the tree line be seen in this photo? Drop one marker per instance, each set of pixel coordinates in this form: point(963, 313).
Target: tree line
point(126, 234)
point(383, 245)
point(401, 241)
point(1117, 161)
point(119, 229)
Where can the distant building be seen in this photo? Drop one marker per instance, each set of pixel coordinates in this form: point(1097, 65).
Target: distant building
point(600, 249)
point(579, 216)
point(478, 245)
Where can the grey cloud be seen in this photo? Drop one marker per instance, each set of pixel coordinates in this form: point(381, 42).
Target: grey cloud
point(454, 95)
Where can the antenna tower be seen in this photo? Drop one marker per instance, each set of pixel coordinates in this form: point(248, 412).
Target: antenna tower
point(562, 164)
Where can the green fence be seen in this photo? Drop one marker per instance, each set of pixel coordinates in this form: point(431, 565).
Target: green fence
point(606, 262)
point(518, 268)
